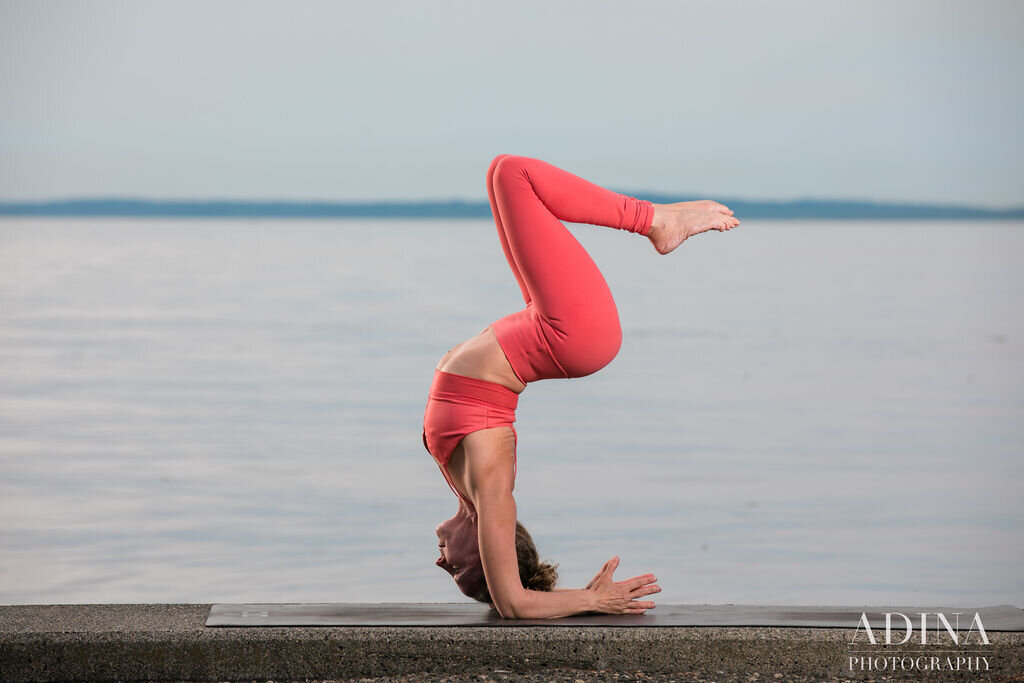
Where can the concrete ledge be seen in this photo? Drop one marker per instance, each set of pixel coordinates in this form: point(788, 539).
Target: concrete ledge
point(171, 643)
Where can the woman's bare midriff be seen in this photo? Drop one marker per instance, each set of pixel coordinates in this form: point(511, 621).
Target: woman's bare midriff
point(481, 357)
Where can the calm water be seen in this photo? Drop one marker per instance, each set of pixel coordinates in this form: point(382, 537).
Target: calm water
point(230, 411)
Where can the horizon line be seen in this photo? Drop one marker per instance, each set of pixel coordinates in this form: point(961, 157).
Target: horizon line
point(468, 208)
point(668, 199)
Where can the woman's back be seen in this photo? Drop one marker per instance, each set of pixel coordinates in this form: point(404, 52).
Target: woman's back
point(481, 357)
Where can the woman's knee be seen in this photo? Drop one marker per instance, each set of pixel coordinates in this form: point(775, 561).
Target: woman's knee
point(586, 351)
point(505, 167)
point(493, 168)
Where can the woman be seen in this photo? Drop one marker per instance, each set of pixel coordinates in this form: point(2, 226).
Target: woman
point(569, 328)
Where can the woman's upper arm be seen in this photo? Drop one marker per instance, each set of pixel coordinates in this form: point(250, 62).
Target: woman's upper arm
point(496, 517)
point(489, 480)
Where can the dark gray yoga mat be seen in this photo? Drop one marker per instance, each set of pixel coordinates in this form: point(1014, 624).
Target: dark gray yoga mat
point(994, 618)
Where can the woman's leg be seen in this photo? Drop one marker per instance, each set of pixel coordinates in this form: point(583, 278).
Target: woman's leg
point(501, 229)
point(570, 327)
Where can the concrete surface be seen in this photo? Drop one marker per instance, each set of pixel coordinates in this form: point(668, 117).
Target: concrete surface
point(171, 643)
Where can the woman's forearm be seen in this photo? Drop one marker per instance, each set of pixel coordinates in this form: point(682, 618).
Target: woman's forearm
point(602, 595)
point(561, 602)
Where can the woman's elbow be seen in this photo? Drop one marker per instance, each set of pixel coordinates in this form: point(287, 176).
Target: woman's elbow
point(509, 606)
point(506, 609)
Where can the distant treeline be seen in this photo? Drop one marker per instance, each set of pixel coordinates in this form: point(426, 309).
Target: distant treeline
point(216, 208)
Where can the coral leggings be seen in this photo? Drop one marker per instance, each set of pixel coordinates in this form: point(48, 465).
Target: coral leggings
point(570, 326)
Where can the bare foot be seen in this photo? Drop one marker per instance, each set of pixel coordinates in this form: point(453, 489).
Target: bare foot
point(674, 223)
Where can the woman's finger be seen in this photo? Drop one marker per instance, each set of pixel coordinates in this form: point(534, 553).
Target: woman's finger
point(609, 566)
point(597, 576)
point(600, 574)
point(645, 590)
point(637, 581)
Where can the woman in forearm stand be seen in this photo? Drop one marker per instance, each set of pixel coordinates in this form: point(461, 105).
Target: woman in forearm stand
point(569, 328)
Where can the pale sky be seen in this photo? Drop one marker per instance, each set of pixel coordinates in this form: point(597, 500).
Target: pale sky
point(910, 100)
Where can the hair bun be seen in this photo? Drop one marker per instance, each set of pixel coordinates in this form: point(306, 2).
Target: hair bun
point(544, 578)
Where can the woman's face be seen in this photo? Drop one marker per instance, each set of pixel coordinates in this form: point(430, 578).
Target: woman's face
point(460, 552)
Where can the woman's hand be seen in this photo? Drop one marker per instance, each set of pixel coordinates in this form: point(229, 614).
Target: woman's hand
point(621, 597)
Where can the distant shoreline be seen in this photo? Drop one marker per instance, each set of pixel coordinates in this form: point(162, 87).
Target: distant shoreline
point(218, 208)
